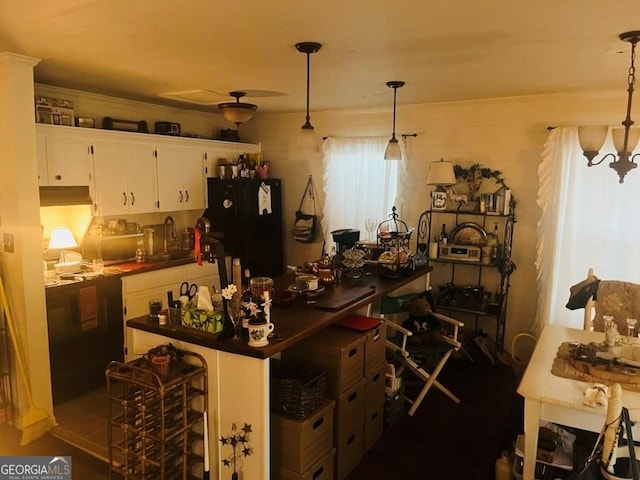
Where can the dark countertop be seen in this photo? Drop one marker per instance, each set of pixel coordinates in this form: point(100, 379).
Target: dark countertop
point(295, 321)
point(117, 270)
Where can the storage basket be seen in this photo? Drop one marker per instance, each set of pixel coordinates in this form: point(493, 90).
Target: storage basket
point(296, 390)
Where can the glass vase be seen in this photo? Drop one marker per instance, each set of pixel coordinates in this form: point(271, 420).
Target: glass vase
point(232, 322)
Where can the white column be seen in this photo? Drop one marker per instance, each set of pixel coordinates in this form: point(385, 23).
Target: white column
point(22, 271)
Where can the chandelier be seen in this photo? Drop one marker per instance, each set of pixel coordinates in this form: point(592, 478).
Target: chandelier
point(624, 139)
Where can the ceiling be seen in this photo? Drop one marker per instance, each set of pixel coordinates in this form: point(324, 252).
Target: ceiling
point(445, 50)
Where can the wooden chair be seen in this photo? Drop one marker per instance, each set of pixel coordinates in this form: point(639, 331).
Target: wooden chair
point(408, 356)
point(617, 298)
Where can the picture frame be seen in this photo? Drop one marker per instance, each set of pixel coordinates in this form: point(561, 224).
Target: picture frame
point(438, 200)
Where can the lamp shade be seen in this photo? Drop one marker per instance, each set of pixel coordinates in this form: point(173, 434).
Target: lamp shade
point(441, 173)
point(392, 152)
point(591, 137)
point(61, 237)
point(618, 139)
point(237, 112)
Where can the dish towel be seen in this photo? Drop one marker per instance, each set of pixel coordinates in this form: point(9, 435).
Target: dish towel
point(88, 307)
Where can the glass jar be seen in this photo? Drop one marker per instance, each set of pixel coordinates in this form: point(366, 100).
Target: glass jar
point(260, 285)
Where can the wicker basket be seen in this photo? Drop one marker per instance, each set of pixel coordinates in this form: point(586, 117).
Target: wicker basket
point(296, 390)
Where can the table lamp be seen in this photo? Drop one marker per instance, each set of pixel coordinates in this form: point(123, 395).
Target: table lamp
point(61, 238)
point(442, 175)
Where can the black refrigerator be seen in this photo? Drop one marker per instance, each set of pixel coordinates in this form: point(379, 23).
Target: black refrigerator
point(247, 215)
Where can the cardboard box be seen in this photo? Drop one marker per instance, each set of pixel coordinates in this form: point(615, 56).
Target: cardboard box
point(55, 111)
point(375, 388)
point(374, 332)
point(374, 348)
point(321, 470)
point(373, 427)
point(349, 410)
point(296, 445)
point(349, 452)
point(337, 351)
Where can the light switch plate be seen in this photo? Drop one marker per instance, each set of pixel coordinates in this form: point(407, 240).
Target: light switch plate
point(8, 243)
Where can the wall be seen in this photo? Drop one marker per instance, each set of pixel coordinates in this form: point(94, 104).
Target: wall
point(503, 134)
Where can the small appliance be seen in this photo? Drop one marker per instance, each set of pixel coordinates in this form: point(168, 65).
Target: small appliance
point(465, 253)
point(345, 238)
point(168, 128)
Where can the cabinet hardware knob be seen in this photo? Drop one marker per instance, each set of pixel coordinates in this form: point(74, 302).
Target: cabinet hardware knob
point(58, 177)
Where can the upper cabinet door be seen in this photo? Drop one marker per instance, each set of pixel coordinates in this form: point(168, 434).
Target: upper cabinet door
point(181, 177)
point(63, 156)
point(194, 180)
point(125, 177)
point(171, 196)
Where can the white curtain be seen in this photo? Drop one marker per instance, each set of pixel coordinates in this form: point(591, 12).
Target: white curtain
point(359, 183)
point(588, 220)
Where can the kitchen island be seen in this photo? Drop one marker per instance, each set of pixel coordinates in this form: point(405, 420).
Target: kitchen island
point(238, 380)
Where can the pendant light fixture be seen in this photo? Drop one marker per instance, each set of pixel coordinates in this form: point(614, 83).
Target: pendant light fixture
point(392, 151)
point(625, 139)
point(237, 112)
point(307, 140)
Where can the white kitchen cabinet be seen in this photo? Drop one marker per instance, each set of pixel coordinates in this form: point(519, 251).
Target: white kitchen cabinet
point(125, 180)
point(64, 156)
point(138, 289)
point(181, 177)
point(130, 172)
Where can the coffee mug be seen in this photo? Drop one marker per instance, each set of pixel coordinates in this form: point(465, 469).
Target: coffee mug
point(258, 334)
point(306, 282)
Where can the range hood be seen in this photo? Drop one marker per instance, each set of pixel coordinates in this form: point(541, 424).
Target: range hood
point(58, 196)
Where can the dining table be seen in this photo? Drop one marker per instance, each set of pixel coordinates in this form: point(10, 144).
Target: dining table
point(559, 399)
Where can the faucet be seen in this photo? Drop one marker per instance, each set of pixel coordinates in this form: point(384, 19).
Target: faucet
point(170, 232)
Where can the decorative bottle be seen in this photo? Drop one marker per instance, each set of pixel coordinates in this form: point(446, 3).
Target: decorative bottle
point(444, 236)
point(496, 244)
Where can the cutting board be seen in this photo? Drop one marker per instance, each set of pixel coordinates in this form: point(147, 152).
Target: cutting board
point(340, 297)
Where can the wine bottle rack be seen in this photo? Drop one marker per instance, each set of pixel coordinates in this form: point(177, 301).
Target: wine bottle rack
point(155, 423)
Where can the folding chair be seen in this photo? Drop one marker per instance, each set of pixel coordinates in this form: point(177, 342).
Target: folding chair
point(397, 343)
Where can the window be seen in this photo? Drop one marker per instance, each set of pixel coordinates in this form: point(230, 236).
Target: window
point(588, 220)
point(358, 183)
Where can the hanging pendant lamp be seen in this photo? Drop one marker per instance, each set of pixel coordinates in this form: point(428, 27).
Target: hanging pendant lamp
point(307, 140)
point(237, 112)
point(392, 151)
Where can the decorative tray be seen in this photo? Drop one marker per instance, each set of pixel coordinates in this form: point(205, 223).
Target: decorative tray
point(468, 233)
